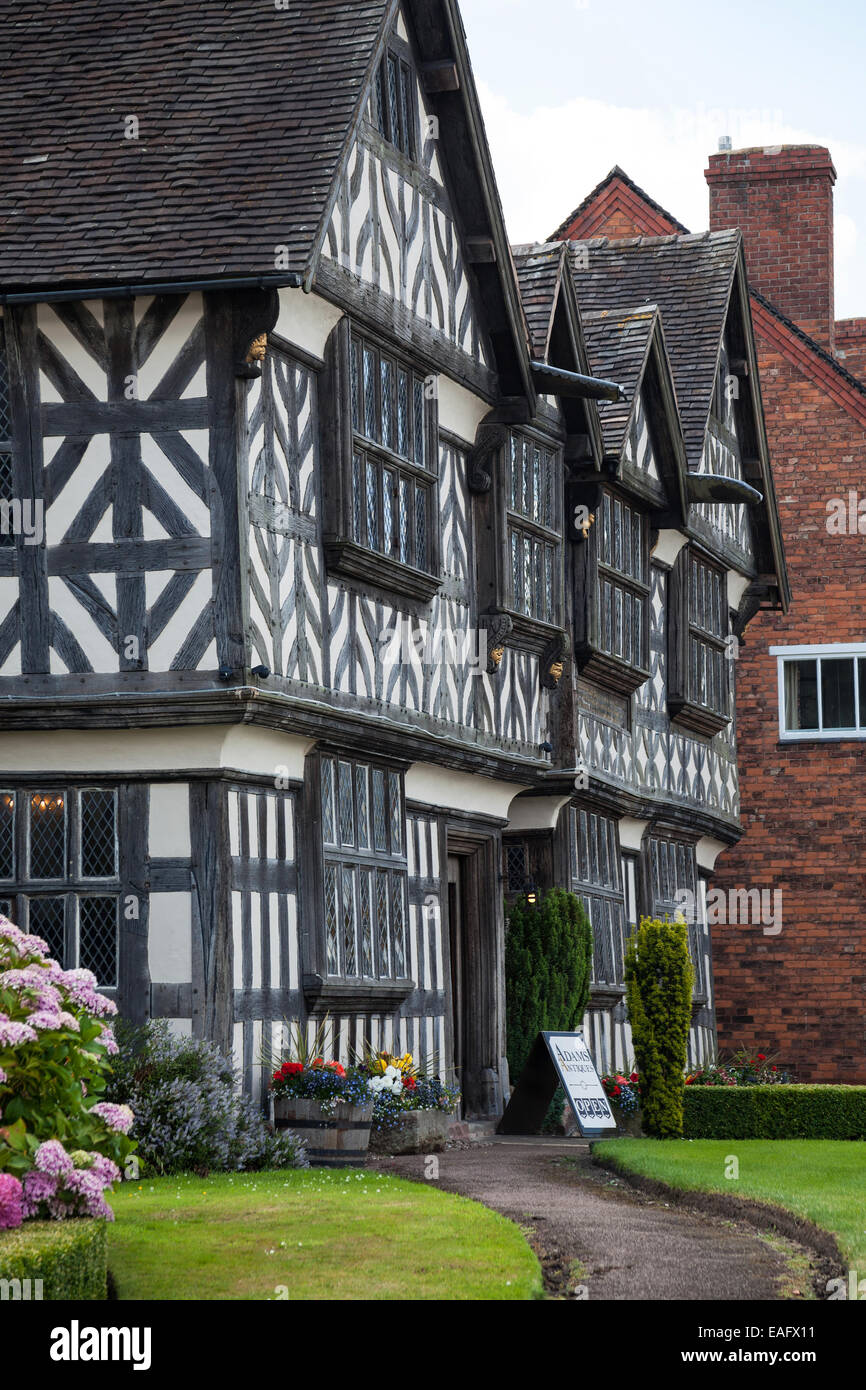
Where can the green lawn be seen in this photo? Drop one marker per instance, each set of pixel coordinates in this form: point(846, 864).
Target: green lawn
point(317, 1234)
point(821, 1179)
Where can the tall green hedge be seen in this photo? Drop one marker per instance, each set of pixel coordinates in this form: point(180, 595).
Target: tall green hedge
point(775, 1112)
point(548, 954)
point(70, 1257)
point(659, 979)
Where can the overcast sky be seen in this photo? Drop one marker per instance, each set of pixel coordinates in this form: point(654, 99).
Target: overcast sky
point(571, 87)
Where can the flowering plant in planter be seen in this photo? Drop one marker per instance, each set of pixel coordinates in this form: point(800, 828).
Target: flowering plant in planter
point(61, 1146)
point(399, 1086)
point(329, 1083)
point(622, 1091)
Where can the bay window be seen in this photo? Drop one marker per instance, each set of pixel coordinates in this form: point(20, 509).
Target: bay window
point(699, 690)
point(612, 593)
point(380, 438)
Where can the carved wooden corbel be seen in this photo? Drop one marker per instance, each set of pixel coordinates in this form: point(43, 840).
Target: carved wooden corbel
point(498, 627)
point(490, 437)
point(255, 315)
point(553, 660)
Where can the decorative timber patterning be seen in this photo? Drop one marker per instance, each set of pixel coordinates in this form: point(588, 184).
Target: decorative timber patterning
point(264, 920)
point(392, 227)
point(285, 581)
point(638, 450)
point(657, 757)
point(313, 631)
point(127, 492)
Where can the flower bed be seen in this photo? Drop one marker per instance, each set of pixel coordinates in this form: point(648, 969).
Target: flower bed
point(61, 1146)
point(392, 1088)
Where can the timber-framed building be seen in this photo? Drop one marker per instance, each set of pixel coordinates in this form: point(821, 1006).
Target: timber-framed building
point(384, 571)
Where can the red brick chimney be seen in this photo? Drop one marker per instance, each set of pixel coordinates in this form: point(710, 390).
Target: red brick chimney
point(782, 199)
point(851, 346)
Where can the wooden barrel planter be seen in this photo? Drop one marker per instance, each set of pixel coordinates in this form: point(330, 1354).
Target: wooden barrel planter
point(338, 1140)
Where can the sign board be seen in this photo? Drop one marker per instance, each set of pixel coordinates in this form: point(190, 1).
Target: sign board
point(558, 1059)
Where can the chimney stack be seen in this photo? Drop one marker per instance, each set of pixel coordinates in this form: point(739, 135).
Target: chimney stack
point(781, 197)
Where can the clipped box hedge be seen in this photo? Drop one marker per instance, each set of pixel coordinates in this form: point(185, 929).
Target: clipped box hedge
point(774, 1112)
point(70, 1257)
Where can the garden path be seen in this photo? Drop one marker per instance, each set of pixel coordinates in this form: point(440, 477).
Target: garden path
point(628, 1246)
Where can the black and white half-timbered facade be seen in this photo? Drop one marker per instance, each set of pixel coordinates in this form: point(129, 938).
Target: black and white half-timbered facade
point(357, 572)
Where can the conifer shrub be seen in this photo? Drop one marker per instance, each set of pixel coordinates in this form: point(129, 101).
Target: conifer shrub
point(659, 980)
point(548, 956)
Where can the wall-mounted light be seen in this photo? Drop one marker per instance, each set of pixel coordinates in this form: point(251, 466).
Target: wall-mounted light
point(263, 672)
point(226, 674)
point(530, 893)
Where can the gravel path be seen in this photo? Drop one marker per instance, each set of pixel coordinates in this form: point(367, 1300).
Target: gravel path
point(628, 1246)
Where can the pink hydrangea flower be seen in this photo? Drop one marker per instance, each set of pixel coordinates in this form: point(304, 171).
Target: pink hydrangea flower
point(38, 1188)
point(118, 1117)
point(105, 1169)
point(11, 1202)
point(51, 1157)
point(12, 1034)
point(3, 1076)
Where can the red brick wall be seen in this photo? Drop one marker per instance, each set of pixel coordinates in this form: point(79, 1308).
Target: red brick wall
point(783, 201)
point(617, 212)
point(851, 346)
point(801, 993)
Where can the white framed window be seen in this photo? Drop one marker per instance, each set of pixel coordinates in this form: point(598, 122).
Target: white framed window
point(822, 691)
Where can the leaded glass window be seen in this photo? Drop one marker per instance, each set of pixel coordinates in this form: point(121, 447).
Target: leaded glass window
point(623, 582)
point(394, 105)
point(533, 544)
point(708, 631)
point(394, 457)
point(366, 872)
point(597, 880)
point(673, 879)
point(60, 870)
point(698, 687)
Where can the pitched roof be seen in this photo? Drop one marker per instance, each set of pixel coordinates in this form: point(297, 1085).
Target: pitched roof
point(618, 341)
point(617, 193)
point(690, 279)
point(244, 113)
point(539, 274)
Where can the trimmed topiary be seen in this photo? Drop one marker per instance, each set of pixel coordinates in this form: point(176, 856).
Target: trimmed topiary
point(775, 1112)
point(659, 980)
point(53, 1260)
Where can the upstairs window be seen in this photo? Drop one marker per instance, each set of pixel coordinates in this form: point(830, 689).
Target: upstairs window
point(365, 871)
point(394, 105)
point(382, 513)
point(699, 691)
point(613, 595)
point(822, 692)
point(533, 538)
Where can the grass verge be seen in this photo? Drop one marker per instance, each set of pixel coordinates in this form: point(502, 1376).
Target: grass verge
point(819, 1180)
point(315, 1234)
